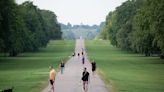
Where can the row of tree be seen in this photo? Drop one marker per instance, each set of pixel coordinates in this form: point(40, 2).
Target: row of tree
point(70, 26)
point(72, 32)
point(137, 25)
point(25, 27)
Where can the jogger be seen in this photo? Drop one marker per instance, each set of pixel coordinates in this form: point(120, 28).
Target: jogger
point(52, 75)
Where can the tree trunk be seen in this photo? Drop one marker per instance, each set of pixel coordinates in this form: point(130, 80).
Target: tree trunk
point(162, 56)
point(13, 53)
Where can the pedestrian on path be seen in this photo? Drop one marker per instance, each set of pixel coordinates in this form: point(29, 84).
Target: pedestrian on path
point(62, 67)
point(78, 54)
point(73, 54)
point(83, 60)
point(52, 75)
point(70, 81)
point(82, 53)
point(85, 78)
point(93, 67)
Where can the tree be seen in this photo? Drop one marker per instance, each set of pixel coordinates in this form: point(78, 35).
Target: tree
point(53, 28)
point(23, 27)
point(146, 31)
point(157, 25)
point(137, 25)
point(10, 33)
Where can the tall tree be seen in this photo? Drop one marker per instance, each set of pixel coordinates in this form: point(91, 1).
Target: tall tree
point(10, 32)
point(52, 26)
point(23, 27)
point(137, 25)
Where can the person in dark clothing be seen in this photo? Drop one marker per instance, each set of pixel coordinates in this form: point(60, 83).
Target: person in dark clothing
point(93, 67)
point(82, 53)
point(78, 54)
point(83, 60)
point(85, 79)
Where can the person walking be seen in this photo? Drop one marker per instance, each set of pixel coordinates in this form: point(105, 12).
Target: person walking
point(82, 53)
point(52, 75)
point(73, 54)
point(78, 54)
point(85, 78)
point(93, 67)
point(62, 67)
point(83, 60)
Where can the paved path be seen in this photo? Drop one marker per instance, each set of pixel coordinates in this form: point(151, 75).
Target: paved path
point(70, 80)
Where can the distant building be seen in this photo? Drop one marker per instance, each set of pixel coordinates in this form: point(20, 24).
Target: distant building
point(81, 37)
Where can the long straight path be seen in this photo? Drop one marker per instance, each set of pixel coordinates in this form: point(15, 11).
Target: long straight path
point(70, 80)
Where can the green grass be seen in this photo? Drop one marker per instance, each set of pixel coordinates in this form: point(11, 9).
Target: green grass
point(28, 72)
point(126, 71)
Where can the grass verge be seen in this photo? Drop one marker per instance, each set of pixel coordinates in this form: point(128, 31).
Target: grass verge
point(126, 71)
point(28, 72)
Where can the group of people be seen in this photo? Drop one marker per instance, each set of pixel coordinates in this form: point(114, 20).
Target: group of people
point(85, 74)
point(78, 54)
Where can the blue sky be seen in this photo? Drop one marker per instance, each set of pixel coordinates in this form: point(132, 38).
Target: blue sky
point(78, 11)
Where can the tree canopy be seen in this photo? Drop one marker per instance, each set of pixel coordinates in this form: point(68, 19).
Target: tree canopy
point(137, 25)
point(25, 27)
point(75, 31)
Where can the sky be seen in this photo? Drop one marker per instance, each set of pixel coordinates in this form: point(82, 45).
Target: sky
point(88, 12)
